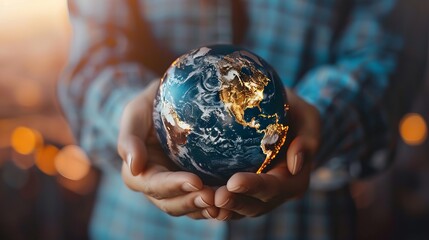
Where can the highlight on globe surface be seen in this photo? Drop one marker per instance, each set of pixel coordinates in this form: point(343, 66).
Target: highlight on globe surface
point(221, 110)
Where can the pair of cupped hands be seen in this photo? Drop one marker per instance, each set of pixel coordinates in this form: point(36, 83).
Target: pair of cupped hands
point(147, 169)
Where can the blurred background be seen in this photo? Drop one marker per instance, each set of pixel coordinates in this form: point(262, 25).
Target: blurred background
point(47, 185)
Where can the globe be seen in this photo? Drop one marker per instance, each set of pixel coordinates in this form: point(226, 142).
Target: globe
point(220, 110)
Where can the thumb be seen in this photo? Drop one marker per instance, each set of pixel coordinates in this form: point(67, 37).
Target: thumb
point(133, 151)
point(295, 155)
point(136, 123)
point(306, 126)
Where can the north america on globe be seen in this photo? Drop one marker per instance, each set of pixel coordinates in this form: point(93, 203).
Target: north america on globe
point(221, 110)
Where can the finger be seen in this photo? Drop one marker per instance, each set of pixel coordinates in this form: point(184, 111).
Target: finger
point(197, 215)
point(238, 203)
point(295, 155)
point(200, 214)
point(248, 206)
point(272, 187)
point(305, 118)
point(224, 214)
point(134, 153)
point(222, 197)
point(264, 187)
point(188, 204)
point(301, 151)
point(156, 181)
point(136, 123)
point(207, 213)
point(306, 143)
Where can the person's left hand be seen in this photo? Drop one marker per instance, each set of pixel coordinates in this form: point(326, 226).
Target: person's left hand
point(251, 194)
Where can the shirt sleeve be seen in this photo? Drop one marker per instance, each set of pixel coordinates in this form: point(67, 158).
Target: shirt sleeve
point(101, 77)
point(348, 93)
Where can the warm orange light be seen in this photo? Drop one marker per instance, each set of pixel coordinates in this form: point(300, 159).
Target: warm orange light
point(45, 159)
point(25, 140)
point(72, 163)
point(413, 129)
point(82, 187)
point(22, 18)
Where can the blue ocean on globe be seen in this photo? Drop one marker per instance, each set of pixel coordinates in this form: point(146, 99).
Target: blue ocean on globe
point(220, 110)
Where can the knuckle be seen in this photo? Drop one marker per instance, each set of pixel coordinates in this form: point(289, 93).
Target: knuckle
point(167, 209)
point(148, 190)
point(156, 196)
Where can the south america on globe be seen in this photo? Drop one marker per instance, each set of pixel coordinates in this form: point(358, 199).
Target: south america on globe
point(220, 110)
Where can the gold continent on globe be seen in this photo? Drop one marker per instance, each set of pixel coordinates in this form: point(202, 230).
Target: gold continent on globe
point(221, 110)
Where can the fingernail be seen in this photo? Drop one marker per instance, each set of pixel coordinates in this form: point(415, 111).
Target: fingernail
point(238, 189)
point(224, 218)
point(199, 202)
point(206, 214)
point(297, 163)
point(187, 187)
point(224, 203)
point(129, 161)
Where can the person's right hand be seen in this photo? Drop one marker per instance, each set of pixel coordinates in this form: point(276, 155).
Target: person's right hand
point(148, 170)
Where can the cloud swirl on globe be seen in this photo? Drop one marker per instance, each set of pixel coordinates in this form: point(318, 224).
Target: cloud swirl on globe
point(220, 110)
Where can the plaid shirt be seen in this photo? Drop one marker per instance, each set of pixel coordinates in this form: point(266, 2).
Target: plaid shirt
point(333, 53)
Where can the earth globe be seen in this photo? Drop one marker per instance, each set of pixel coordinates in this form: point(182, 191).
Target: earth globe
point(220, 110)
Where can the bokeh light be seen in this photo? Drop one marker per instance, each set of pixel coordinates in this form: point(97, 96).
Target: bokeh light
point(413, 129)
point(25, 140)
point(84, 186)
point(72, 163)
point(45, 159)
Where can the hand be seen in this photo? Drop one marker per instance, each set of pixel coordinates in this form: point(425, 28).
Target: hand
point(148, 170)
point(251, 194)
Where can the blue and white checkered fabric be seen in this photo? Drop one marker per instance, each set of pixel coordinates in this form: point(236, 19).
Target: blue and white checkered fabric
point(334, 53)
